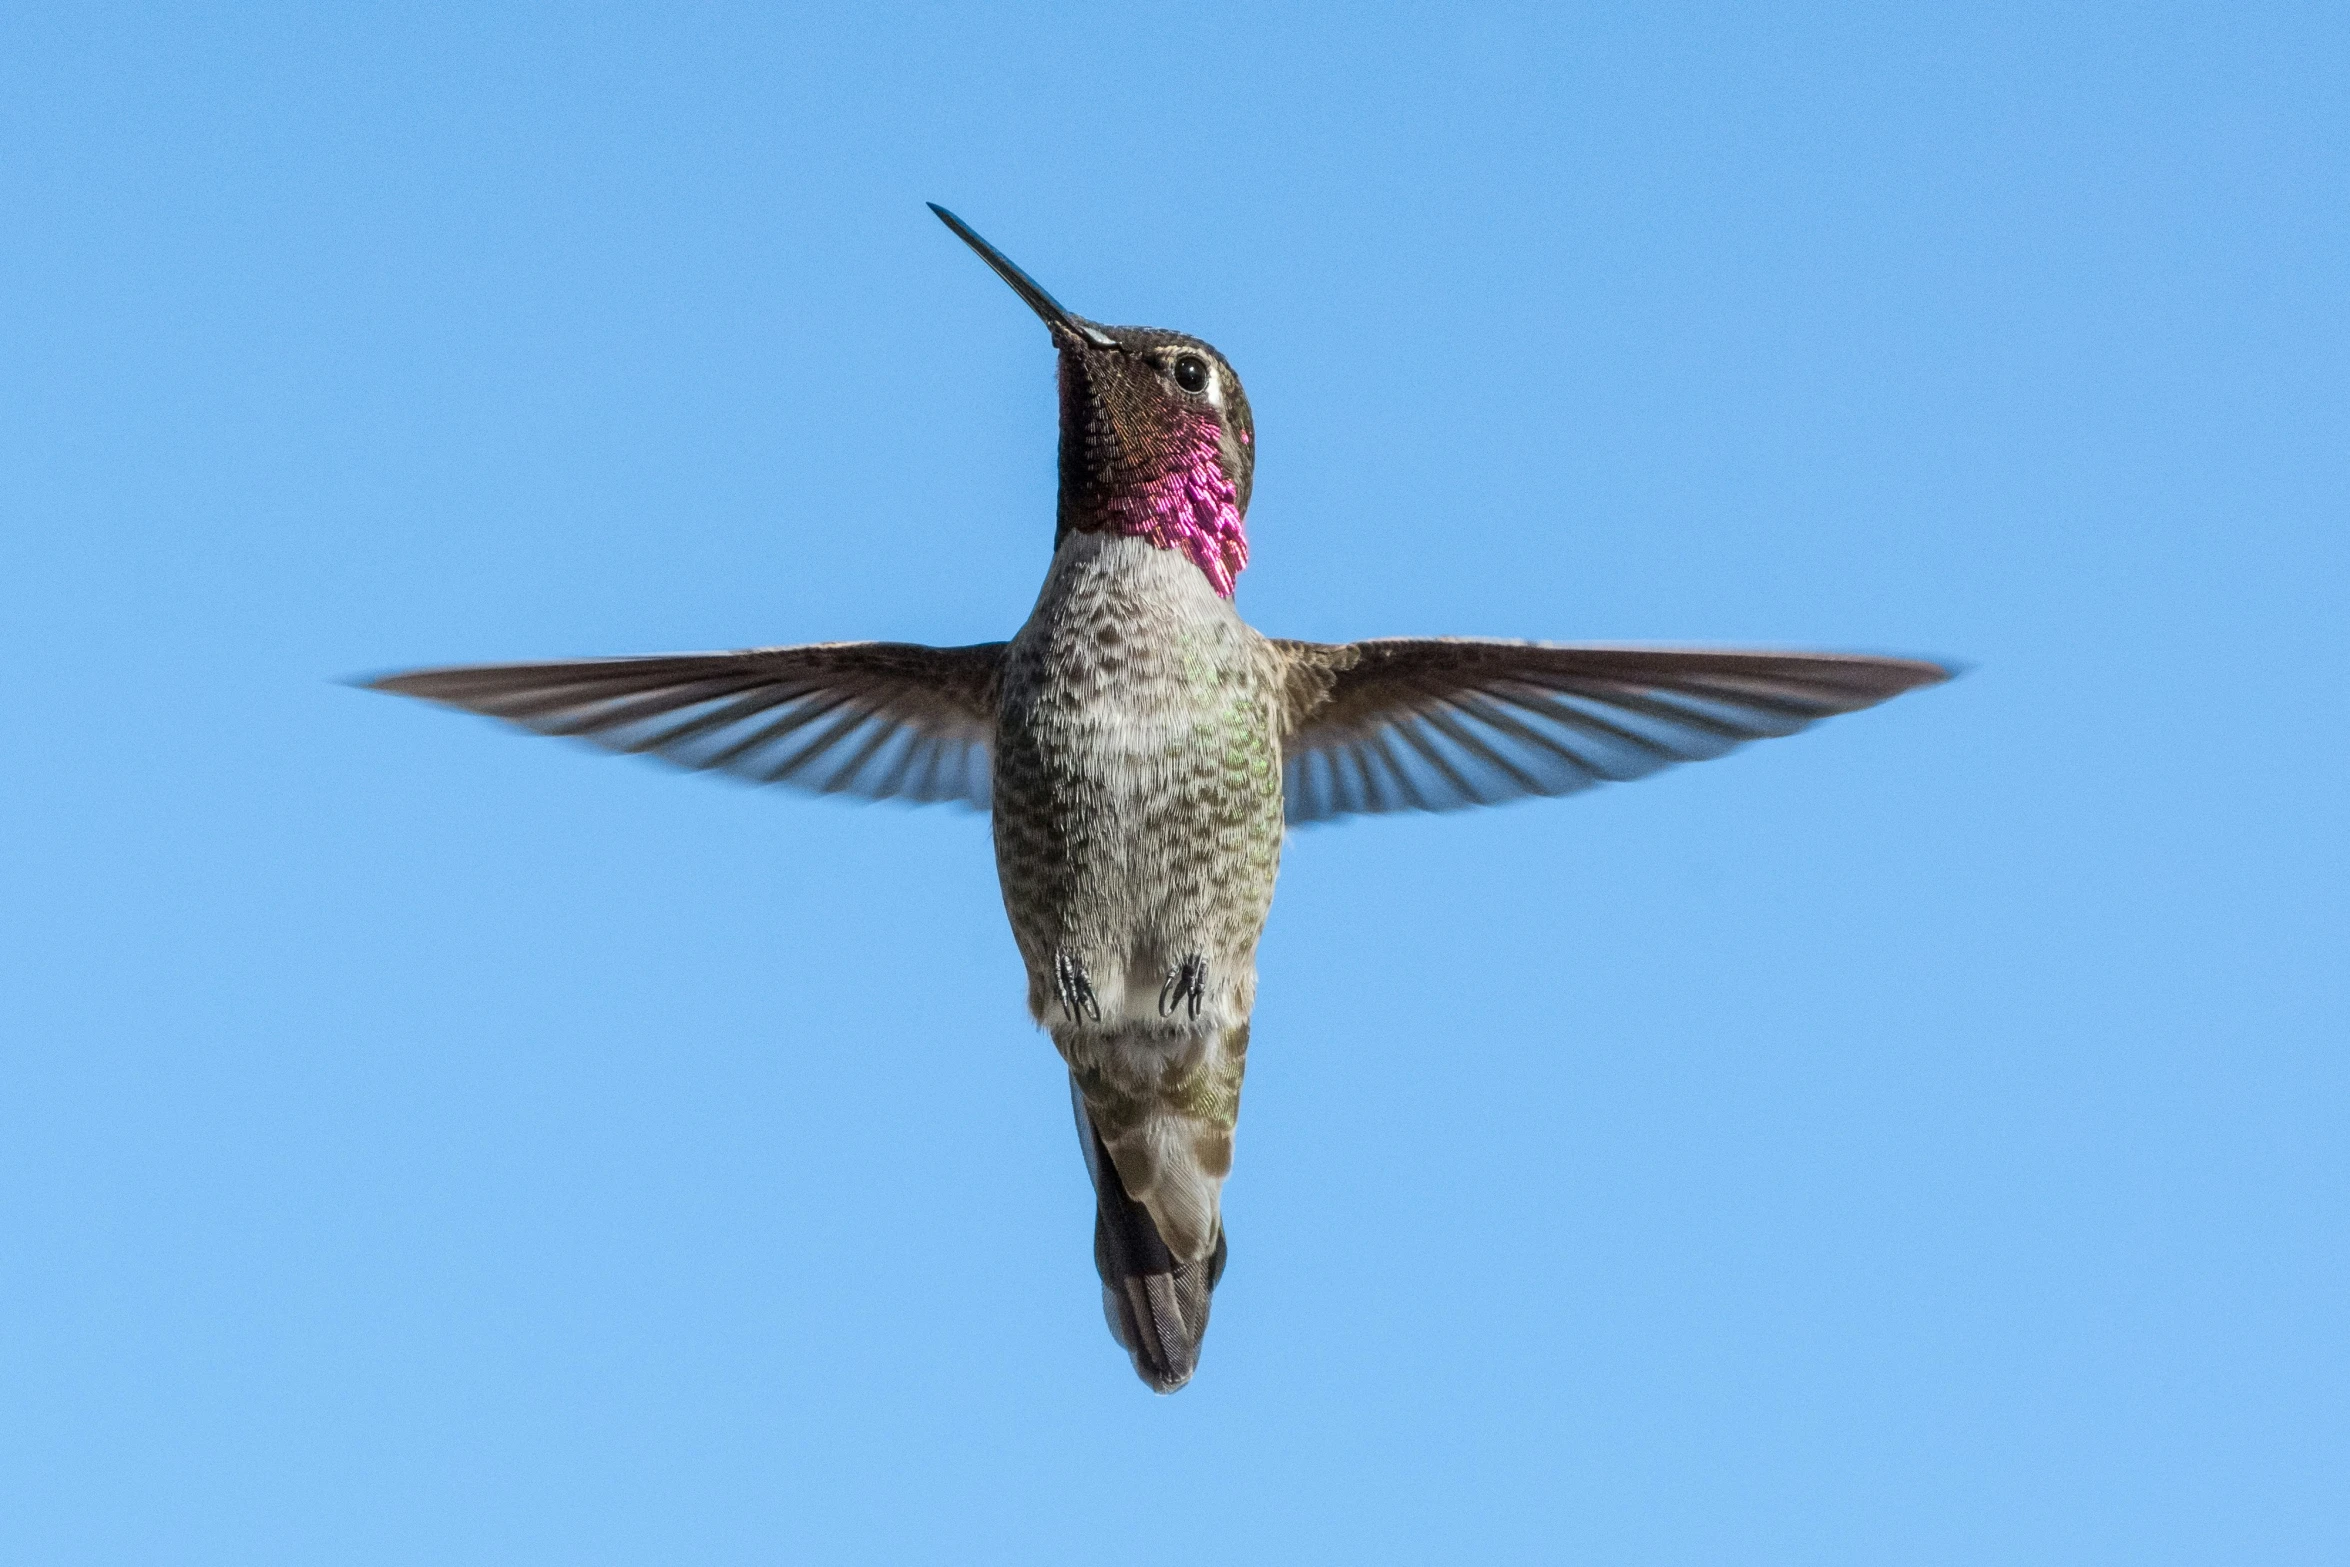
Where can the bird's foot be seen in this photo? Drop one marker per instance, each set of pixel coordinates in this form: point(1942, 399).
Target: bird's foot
point(1074, 989)
point(1186, 987)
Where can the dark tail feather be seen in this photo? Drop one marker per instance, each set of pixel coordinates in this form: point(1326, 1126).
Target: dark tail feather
point(1157, 1307)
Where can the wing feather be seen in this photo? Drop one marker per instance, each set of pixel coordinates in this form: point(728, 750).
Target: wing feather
point(885, 720)
point(1443, 723)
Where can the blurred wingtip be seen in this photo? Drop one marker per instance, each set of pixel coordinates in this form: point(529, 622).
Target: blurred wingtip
point(1919, 673)
point(1901, 672)
point(395, 682)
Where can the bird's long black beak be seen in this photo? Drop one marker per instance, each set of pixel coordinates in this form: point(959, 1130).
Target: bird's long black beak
point(1025, 286)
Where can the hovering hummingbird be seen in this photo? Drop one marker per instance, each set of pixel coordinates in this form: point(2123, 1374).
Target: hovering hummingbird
point(1142, 750)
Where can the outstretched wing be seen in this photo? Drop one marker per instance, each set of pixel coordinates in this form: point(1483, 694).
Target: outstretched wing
point(1440, 723)
point(886, 720)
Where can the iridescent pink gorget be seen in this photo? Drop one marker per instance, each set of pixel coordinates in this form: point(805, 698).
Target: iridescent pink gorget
point(1192, 507)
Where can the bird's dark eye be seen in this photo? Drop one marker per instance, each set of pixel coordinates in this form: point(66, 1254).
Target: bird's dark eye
point(1191, 373)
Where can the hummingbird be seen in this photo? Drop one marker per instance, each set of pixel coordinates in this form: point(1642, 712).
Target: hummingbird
point(1142, 752)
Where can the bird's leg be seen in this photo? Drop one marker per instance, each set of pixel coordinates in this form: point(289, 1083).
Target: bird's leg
point(1074, 989)
point(1187, 986)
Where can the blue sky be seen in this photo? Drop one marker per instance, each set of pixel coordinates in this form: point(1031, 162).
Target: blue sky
point(1920, 1140)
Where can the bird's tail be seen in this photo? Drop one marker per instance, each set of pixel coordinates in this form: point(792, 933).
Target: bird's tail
point(1157, 1307)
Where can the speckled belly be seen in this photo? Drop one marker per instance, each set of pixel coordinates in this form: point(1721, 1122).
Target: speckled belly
point(1138, 784)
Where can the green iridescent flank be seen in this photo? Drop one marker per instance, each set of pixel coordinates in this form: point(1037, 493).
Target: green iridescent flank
point(1205, 1087)
point(1211, 1093)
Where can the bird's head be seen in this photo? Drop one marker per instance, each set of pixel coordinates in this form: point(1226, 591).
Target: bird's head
point(1156, 438)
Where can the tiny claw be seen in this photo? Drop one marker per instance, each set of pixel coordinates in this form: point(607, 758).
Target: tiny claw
point(1187, 984)
point(1074, 989)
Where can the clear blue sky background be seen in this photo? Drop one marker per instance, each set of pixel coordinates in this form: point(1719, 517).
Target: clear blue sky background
point(1919, 1141)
